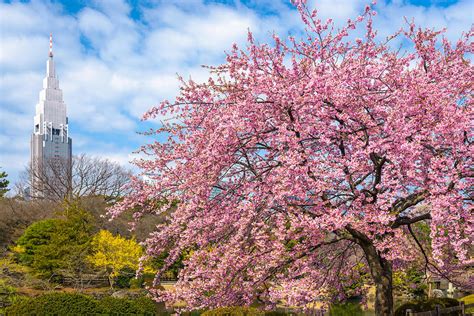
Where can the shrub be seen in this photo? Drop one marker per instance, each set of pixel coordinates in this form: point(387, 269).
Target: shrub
point(346, 309)
point(7, 295)
point(6, 289)
point(136, 283)
point(56, 304)
point(16, 300)
point(190, 313)
point(78, 304)
point(234, 311)
point(427, 305)
point(140, 282)
point(401, 310)
point(145, 305)
point(119, 306)
point(124, 277)
point(147, 278)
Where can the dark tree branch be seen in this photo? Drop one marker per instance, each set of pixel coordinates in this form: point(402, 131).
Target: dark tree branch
point(402, 204)
point(405, 220)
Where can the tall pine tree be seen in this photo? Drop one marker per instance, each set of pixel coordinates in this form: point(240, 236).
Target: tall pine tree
point(3, 183)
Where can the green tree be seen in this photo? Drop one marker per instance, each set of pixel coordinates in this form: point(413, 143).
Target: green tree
point(410, 281)
point(158, 262)
point(114, 253)
point(70, 246)
point(58, 247)
point(35, 236)
point(3, 183)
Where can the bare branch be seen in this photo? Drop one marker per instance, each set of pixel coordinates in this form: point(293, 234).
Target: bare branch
point(88, 176)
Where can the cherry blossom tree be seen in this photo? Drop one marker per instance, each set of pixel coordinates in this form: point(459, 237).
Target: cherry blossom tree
point(301, 168)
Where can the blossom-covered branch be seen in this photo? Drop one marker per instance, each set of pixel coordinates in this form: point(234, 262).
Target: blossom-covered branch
point(299, 167)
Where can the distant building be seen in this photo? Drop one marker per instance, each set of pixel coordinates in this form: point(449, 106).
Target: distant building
point(51, 146)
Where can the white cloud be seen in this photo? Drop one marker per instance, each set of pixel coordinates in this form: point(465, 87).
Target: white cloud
point(29, 82)
point(95, 25)
point(14, 122)
point(12, 54)
point(112, 68)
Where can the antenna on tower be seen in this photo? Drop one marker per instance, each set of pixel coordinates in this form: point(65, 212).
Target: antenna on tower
point(50, 44)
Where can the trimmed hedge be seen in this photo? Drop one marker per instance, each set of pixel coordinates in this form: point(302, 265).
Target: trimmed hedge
point(56, 304)
point(346, 309)
point(234, 311)
point(120, 306)
point(78, 304)
point(427, 305)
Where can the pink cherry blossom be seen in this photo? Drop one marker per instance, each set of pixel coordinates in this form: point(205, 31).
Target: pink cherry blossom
point(301, 167)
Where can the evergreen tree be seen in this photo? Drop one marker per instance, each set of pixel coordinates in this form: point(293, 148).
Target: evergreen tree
point(3, 183)
point(58, 247)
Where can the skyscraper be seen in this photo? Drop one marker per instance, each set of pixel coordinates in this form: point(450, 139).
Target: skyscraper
point(51, 146)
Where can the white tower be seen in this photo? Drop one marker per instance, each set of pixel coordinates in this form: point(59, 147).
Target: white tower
point(51, 146)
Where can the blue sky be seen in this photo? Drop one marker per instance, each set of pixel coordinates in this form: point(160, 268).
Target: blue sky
point(116, 58)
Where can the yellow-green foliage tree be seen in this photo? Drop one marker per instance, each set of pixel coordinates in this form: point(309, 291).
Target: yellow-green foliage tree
point(114, 253)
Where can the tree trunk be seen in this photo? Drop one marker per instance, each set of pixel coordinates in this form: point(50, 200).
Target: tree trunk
point(381, 271)
point(383, 293)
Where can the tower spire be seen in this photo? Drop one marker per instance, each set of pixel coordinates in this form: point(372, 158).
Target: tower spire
point(50, 141)
point(50, 44)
